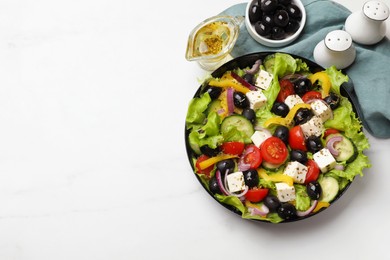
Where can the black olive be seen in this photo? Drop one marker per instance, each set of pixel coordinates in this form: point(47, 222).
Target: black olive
point(205, 149)
point(294, 11)
point(285, 2)
point(292, 26)
point(255, 13)
point(226, 166)
point(281, 18)
point(333, 100)
point(268, 19)
point(314, 144)
point(240, 100)
point(250, 114)
point(272, 203)
point(299, 156)
point(302, 85)
point(262, 29)
point(248, 78)
point(214, 187)
point(282, 132)
point(278, 33)
point(251, 178)
point(280, 109)
point(269, 6)
point(214, 92)
point(302, 116)
point(287, 211)
point(314, 190)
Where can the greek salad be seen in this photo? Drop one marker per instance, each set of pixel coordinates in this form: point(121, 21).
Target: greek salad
point(275, 141)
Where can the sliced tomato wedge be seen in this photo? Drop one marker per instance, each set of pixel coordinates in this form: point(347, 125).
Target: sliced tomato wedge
point(274, 150)
point(311, 95)
point(252, 156)
point(234, 148)
point(330, 131)
point(286, 89)
point(296, 139)
point(313, 171)
point(256, 194)
point(206, 171)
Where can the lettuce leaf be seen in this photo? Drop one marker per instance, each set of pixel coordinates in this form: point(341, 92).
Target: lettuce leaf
point(196, 109)
point(302, 201)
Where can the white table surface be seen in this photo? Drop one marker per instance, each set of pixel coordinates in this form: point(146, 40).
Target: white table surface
point(93, 97)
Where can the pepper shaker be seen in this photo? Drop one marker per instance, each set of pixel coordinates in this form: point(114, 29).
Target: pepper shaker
point(336, 49)
point(368, 26)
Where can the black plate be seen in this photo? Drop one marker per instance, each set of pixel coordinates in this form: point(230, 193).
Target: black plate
point(247, 61)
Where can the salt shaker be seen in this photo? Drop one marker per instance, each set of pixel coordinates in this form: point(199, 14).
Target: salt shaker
point(336, 49)
point(368, 26)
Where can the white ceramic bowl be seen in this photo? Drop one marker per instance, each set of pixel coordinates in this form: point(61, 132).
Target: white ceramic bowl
point(270, 42)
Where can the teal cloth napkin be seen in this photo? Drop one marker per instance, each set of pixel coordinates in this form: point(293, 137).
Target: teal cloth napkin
point(370, 73)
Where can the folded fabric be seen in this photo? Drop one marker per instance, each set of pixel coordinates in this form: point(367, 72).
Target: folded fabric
point(369, 73)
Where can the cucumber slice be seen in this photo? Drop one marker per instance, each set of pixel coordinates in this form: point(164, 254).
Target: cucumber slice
point(241, 123)
point(270, 166)
point(330, 188)
point(346, 148)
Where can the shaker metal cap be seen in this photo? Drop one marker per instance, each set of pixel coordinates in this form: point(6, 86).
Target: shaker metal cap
point(338, 40)
point(376, 10)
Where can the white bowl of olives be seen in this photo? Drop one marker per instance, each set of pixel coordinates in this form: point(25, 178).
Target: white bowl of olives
point(275, 23)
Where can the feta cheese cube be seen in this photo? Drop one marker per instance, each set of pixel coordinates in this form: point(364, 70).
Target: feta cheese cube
point(321, 110)
point(292, 100)
point(235, 182)
point(324, 160)
point(259, 136)
point(256, 99)
point(297, 171)
point(263, 80)
point(285, 192)
point(313, 127)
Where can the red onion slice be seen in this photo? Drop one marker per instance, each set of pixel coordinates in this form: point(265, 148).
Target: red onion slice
point(262, 211)
point(230, 101)
point(220, 184)
point(339, 167)
point(242, 166)
point(255, 68)
point(331, 142)
point(308, 211)
point(242, 81)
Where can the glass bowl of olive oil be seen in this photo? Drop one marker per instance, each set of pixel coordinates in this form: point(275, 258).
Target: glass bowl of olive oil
point(211, 41)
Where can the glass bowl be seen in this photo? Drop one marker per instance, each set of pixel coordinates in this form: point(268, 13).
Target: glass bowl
point(211, 41)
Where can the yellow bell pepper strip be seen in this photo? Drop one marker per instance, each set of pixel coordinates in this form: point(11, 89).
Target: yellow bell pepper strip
point(289, 119)
point(277, 177)
point(213, 160)
point(325, 82)
point(277, 120)
point(320, 205)
point(228, 81)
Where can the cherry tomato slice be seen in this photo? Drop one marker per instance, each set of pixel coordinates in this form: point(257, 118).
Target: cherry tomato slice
point(206, 171)
point(330, 131)
point(286, 89)
point(274, 150)
point(296, 139)
point(313, 171)
point(234, 148)
point(252, 156)
point(256, 194)
point(310, 95)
